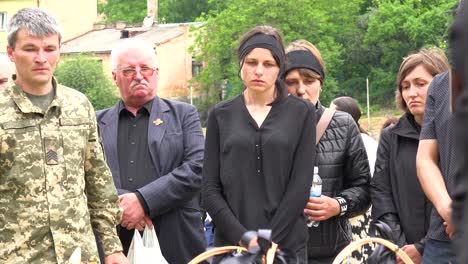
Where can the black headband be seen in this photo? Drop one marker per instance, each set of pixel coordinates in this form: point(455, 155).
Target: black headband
point(263, 41)
point(303, 59)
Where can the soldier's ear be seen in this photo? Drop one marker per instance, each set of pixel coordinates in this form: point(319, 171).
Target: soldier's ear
point(10, 51)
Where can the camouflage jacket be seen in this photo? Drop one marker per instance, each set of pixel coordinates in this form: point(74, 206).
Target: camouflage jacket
point(55, 186)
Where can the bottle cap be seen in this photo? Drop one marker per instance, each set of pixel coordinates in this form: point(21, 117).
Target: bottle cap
point(315, 170)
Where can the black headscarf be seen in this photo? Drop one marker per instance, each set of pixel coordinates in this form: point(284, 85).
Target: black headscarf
point(270, 43)
point(303, 59)
point(266, 42)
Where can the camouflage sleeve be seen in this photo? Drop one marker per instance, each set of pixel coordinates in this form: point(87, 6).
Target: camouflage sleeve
point(103, 202)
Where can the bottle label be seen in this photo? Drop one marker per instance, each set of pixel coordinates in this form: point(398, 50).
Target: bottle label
point(315, 193)
point(316, 190)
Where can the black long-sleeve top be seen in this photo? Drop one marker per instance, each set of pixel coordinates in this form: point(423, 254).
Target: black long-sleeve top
point(259, 177)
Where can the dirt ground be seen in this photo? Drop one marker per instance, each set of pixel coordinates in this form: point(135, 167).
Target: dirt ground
point(376, 121)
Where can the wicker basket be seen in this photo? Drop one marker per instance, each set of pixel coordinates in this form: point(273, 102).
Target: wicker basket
point(216, 251)
point(268, 258)
point(342, 256)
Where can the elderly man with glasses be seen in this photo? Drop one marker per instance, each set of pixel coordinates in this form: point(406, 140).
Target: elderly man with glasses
point(154, 148)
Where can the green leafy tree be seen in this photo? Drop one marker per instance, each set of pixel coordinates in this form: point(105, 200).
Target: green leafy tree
point(317, 21)
point(397, 28)
point(358, 39)
point(169, 11)
point(133, 11)
point(86, 75)
point(176, 11)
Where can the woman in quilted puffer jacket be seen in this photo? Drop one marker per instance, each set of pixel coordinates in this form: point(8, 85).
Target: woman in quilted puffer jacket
point(340, 156)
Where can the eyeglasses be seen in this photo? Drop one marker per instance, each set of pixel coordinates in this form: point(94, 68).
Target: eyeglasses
point(131, 72)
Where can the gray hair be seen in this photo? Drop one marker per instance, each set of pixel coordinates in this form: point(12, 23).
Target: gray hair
point(132, 44)
point(36, 22)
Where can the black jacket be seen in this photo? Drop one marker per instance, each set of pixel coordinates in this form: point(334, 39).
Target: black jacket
point(397, 196)
point(176, 148)
point(344, 169)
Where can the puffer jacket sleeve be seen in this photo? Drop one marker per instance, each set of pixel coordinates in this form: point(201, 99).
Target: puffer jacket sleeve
point(357, 179)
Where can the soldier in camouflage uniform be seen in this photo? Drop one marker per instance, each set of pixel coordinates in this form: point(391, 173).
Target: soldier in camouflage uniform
point(55, 186)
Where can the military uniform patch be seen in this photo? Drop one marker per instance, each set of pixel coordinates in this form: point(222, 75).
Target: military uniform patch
point(51, 145)
point(51, 157)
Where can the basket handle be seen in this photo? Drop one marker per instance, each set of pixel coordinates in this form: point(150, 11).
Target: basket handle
point(359, 243)
point(216, 251)
point(270, 256)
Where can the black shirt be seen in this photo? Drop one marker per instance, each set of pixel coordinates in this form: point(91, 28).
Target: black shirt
point(259, 177)
point(438, 124)
point(136, 166)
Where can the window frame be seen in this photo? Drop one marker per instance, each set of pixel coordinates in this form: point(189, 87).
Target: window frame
point(196, 68)
point(3, 20)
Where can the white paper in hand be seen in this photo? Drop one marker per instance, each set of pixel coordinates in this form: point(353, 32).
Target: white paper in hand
point(145, 250)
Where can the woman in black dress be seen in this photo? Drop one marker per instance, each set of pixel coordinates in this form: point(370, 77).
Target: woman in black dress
point(259, 152)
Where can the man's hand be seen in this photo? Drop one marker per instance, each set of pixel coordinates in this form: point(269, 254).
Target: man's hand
point(133, 212)
point(449, 228)
point(321, 208)
point(412, 252)
point(145, 221)
point(116, 258)
point(446, 213)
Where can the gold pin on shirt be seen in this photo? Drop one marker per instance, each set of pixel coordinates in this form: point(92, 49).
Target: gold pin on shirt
point(158, 121)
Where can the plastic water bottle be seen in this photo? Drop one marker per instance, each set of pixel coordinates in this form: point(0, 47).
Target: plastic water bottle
point(315, 191)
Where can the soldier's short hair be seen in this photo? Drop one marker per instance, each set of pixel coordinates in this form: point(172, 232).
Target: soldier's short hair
point(36, 22)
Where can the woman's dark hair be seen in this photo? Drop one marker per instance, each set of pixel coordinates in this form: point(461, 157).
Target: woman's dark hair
point(433, 60)
point(281, 91)
point(351, 106)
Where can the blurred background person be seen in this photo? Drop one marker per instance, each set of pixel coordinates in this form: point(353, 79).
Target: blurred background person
point(341, 158)
point(351, 106)
point(359, 224)
point(7, 69)
point(258, 152)
point(397, 196)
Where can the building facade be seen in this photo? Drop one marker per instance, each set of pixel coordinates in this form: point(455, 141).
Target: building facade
point(76, 17)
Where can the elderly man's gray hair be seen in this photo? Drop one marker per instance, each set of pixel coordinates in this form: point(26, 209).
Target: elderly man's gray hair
point(36, 22)
point(132, 44)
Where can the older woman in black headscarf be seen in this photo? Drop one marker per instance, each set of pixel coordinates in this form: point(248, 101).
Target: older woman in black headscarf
point(341, 158)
